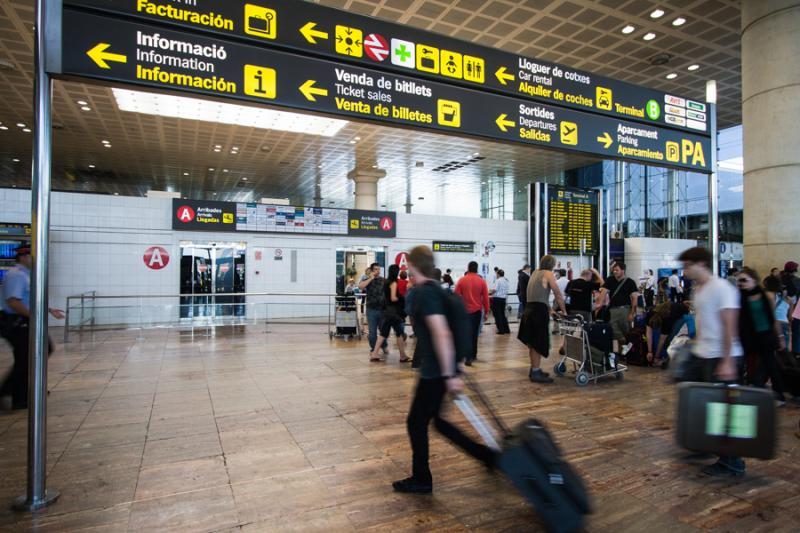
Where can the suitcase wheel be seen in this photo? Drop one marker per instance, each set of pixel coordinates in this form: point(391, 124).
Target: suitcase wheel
point(619, 375)
point(560, 369)
point(582, 379)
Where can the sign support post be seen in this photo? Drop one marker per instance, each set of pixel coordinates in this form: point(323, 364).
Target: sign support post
point(37, 496)
point(713, 192)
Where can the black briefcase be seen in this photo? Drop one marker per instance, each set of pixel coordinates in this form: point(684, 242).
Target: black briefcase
point(532, 461)
point(726, 420)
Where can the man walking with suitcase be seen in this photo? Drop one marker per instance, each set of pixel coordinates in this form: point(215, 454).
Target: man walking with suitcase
point(717, 353)
point(438, 371)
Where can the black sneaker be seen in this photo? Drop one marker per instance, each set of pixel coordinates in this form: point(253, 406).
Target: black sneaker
point(411, 486)
point(720, 470)
point(539, 377)
point(468, 363)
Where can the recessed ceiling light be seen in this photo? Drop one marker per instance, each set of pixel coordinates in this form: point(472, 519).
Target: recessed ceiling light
point(26, 130)
point(357, 138)
point(107, 145)
point(166, 105)
point(235, 148)
point(483, 183)
point(185, 173)
point(671, 76)
point(91, 166)
point(319, 166)
point(693, 67)
point(649, 36)
point(211, 169)
point(104, 141)
point(476, 154)
point(15, 160)
point(20, 124)
point(225, 170)
point(680, 21)
point(116, 194)
point(217, 146)
point(628, 29)
point(83, 102)
point(374, 166)
point(244, 179)
point(86, 108)
point(218, 150)
point(4, 128)
point(352, 142)
point(657, 14)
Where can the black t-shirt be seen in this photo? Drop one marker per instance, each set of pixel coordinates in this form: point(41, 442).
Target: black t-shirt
point(623, 296)
point(428, 301)
point(580, 294)
point(397, 308)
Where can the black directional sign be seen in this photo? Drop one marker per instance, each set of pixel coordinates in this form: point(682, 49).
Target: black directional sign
point(373, 43)
point(112, 49)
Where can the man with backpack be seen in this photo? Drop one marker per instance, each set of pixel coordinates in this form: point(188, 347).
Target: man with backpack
point(442, 329)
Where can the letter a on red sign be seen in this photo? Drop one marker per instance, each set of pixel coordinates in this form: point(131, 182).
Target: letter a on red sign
point(185, 214)
point(156, 258)
point(386, 224)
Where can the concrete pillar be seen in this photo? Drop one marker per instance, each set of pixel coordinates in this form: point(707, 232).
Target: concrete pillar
point(366, 187)
point(771, 129)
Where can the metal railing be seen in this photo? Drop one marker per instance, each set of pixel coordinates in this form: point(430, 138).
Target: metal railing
point(89, 311)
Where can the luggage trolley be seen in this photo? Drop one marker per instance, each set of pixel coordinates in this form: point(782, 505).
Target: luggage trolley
point(588, 362)
point(346, 324)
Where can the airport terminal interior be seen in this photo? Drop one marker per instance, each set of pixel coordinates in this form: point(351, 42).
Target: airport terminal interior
point(573, 219)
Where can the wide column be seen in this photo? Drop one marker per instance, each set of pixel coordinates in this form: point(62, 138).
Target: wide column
point(366, 187)
point(771, 119)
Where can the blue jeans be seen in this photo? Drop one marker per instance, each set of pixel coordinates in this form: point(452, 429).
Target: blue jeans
point(374, 320)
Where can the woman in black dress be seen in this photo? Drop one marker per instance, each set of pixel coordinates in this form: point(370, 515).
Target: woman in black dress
point(393, 317)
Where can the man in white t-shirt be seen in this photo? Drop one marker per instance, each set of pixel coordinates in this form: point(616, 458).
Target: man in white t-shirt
point(717, 352)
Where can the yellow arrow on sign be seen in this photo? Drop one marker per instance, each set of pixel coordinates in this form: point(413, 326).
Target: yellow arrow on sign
point(504, 124)
point(605, 139)
point(502, 76)
point(100, 56)
point(309, 90)
point(311, 34)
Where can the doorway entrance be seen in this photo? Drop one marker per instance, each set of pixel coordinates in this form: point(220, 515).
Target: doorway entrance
point(351, 262)
point(212, 279)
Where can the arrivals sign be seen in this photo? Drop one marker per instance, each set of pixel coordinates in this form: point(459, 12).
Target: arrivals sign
point(572, 221)
point(112, 49)
point(355, 39)
point(454, 247)
point(196, 215)
point(11, 229)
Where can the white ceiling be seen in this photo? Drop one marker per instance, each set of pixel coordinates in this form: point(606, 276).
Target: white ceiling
point(150, 152)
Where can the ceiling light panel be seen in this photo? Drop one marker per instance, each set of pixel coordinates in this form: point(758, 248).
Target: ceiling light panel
point(165, 105)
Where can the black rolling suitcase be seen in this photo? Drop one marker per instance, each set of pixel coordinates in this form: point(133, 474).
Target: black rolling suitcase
point(789, 367)
point(601, 336)
point(532, 461)
point(726, 419)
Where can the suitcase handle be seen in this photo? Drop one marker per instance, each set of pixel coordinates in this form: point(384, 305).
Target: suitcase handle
point(504, 429)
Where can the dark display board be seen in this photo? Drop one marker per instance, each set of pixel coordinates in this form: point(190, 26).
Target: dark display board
point(350, 38)
point(15, 229)
point(197, 215)
point(572, 218)
point(111, 49)
point(454, 247)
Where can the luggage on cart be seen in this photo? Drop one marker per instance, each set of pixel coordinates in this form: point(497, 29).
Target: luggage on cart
point(789, 367)
point(346, 318)
point(726, 419)
point(532, 461)
point(601, 335)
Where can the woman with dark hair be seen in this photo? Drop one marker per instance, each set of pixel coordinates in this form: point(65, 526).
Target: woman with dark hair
point(758, 333)
point(393, 317)
point(534, 328)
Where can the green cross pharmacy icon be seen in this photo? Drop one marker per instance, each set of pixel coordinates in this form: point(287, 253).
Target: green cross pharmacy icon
point(402, 53)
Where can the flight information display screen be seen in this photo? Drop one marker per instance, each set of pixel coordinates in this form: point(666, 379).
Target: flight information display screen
point(572, 221)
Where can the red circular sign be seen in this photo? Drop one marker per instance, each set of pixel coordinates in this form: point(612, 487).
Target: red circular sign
point(185, 213)
point(376, 47)
point(156, 257)
point(401, 260)
point(387, 224)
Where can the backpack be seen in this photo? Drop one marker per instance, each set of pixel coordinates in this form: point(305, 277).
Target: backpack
point(790, 284)
point(457, 321)
point(459, 324)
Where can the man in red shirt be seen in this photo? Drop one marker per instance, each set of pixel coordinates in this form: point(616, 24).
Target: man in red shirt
point(473, 291)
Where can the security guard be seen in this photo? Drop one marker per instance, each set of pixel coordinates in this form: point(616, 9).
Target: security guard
point(16, 297)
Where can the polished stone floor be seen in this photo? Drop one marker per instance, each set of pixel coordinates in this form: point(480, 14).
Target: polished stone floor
point(288, 431)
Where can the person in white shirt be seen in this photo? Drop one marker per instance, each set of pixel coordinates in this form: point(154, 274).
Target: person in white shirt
point(562, 281)
point(649, 289)
point(717, 352)
point(499, 296)
point(674, 284)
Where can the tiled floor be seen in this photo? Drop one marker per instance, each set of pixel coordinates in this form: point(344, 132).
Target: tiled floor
point(288, 431)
